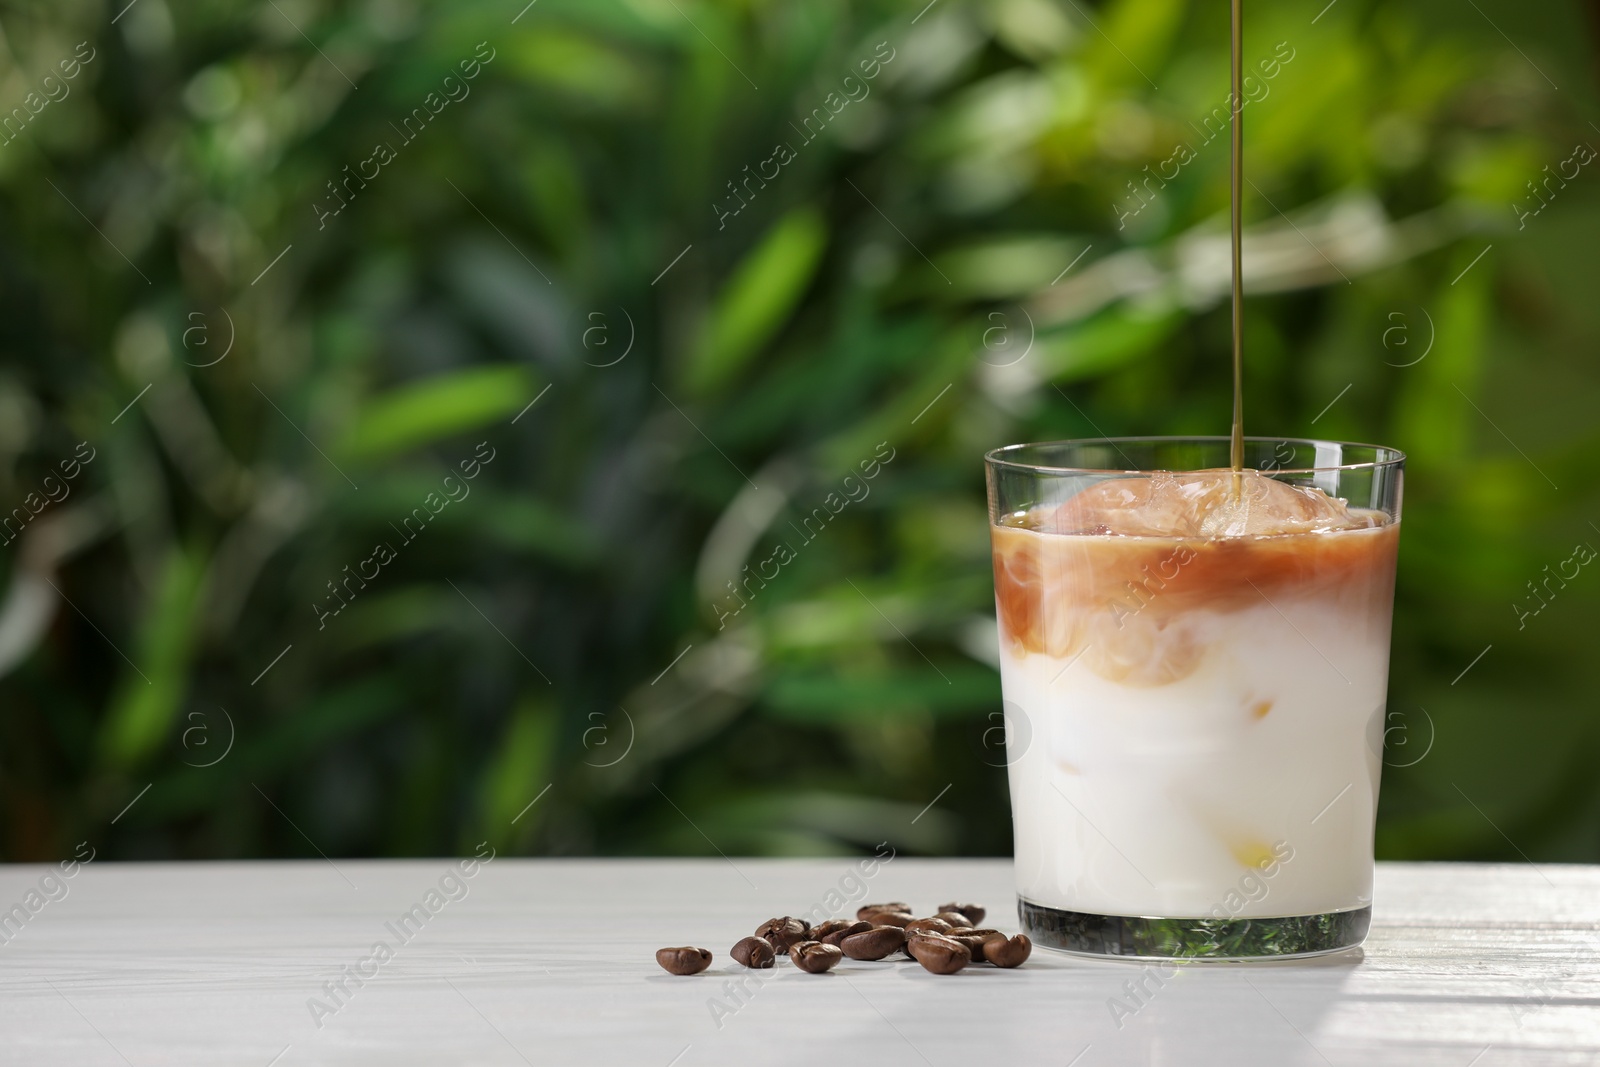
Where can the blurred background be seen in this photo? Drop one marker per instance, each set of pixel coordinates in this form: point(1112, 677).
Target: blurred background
point(424, 423)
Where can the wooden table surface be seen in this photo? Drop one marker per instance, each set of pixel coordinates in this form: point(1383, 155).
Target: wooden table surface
point(551, 962)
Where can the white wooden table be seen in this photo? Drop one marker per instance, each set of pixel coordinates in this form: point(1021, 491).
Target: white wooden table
point(551, 962)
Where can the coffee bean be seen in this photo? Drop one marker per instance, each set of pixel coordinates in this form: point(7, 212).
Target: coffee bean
point(874, 944)
point(984, 934)
point(821, 931)
point(754, 952)
point(893, 905)
point(974, 944)
point(973, 912)
point(939, 954)
point(928, 926)
point(887, 918)
point(685, 960)
point(1008, 953)
point(837, 937)
point(955, 919)
point(784, 933)
point(814, 957)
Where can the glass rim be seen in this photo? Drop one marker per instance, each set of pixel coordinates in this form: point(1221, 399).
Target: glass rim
point(1390, 457)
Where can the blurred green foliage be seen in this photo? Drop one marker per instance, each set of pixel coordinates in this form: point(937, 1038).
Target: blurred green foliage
point(284, 347)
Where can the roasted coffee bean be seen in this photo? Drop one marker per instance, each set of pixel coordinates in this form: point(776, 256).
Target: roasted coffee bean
point(821, 931)
point(685, 960)
point(814, 957)
point(939, 954)
point(894, 905)
point(874, 944)
point(973, 912)
point(928, 926)
point(955, 919)
point(782, 934)
point(837, 937)
point(974, 944)
point(984, 934)
point(888, 918)
point(754, 952)
point(1008, 953)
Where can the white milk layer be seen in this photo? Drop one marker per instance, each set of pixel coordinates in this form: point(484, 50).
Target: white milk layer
point(1245, 789)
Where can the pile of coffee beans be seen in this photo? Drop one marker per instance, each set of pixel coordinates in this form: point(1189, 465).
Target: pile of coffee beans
point(943, 942)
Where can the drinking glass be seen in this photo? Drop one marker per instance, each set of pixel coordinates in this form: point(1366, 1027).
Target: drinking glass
point(1194, 720)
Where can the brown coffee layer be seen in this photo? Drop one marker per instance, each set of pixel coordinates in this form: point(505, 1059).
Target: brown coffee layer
point(1130, 601)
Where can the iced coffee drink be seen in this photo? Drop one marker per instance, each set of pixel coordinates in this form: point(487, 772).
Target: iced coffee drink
point(1195, 661)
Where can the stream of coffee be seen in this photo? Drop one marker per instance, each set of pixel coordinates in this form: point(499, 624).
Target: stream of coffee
point(1235, 180)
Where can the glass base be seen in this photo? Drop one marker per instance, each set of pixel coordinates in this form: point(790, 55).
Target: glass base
point(1133, 937)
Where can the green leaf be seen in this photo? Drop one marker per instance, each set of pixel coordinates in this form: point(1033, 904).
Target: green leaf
point(1104, 343)
point(147, 699)
point(592, 74)
point(389, 618)
point(927, 400)
point(422, 412)
point(532, 526)
point(760, 296)
point(517, 520)
point(518, 770)
point(1008, 267)
point(1144, 32)
point(829, 696)
point(1433, 411)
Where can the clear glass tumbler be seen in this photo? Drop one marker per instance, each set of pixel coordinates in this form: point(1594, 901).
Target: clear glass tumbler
point(1194, 698)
